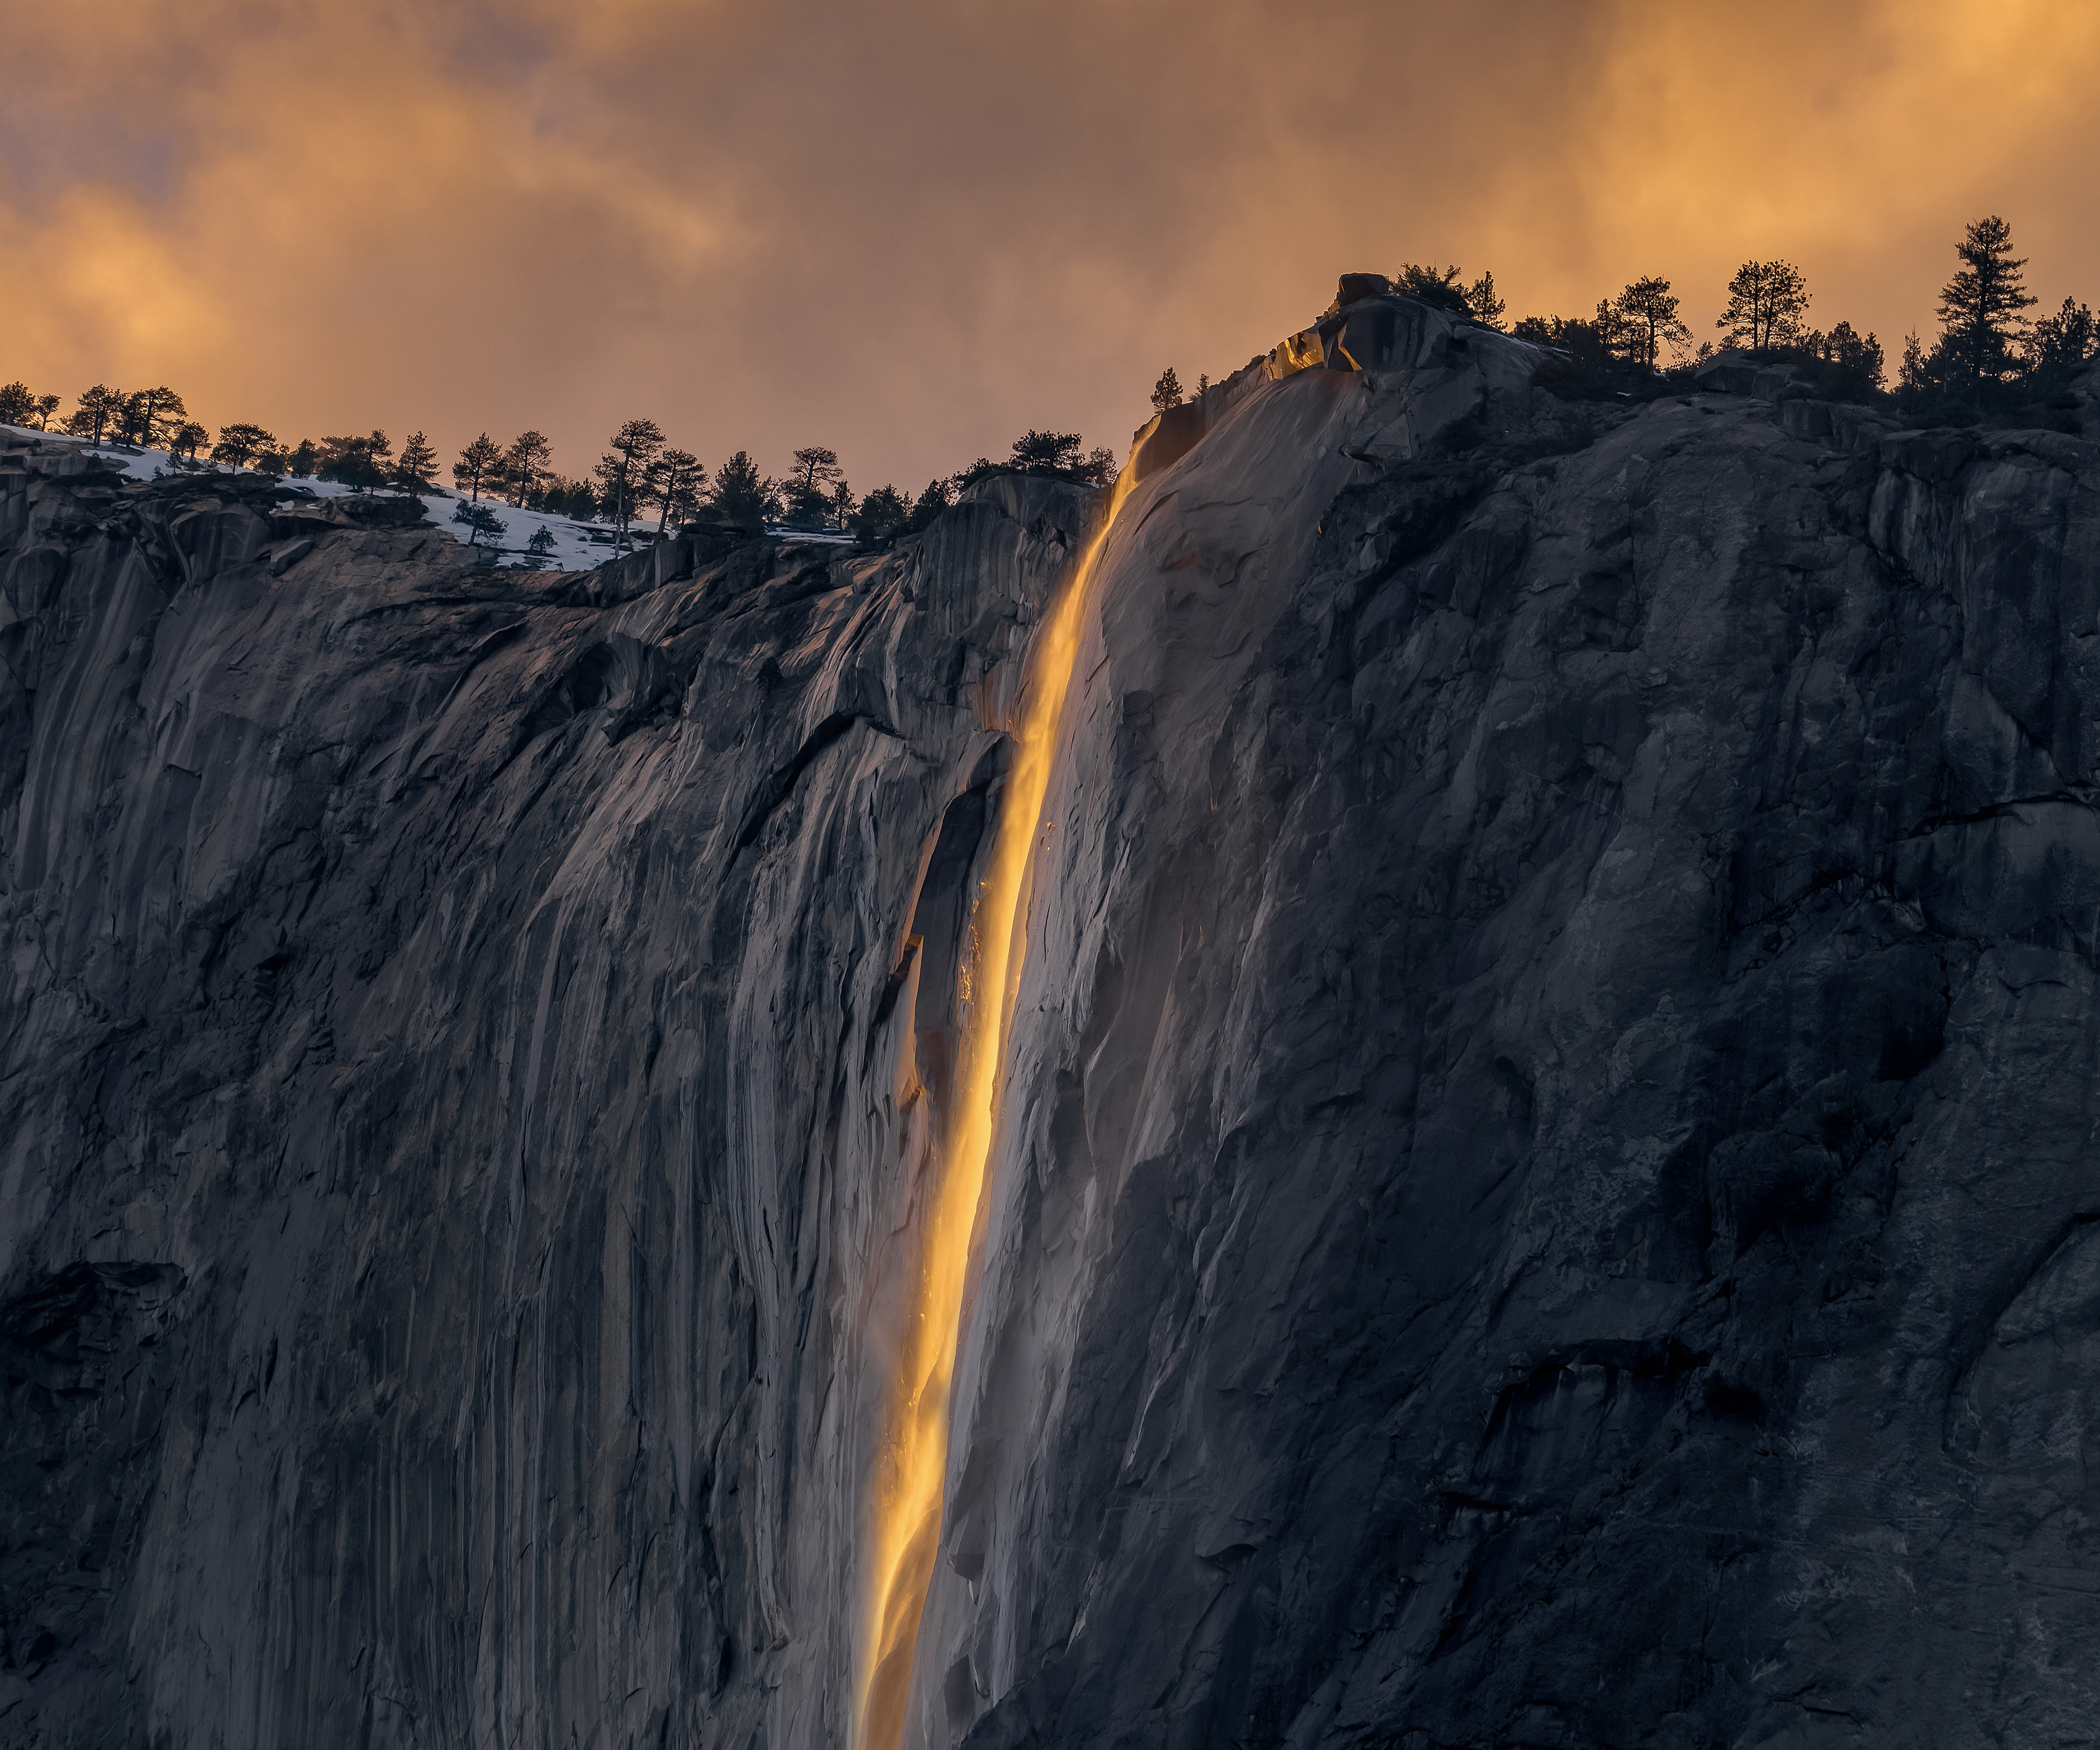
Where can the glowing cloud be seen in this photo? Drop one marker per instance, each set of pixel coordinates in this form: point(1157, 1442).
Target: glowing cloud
point(910, 233)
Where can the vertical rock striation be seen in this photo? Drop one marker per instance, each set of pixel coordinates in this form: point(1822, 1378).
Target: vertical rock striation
point(461, 1032)
point(1544, 1190)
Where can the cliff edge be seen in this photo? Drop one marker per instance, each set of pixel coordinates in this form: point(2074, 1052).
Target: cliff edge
point(1544, 1192)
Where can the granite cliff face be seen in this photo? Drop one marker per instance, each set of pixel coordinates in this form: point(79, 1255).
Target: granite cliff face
point(1546, 1190)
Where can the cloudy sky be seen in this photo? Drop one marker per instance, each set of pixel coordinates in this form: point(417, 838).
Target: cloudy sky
point(911, 230)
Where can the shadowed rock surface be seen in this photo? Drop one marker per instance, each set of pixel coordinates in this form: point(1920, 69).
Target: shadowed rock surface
point(1547, 1192)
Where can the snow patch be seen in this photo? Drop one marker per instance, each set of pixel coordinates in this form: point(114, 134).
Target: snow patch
point(577, 546)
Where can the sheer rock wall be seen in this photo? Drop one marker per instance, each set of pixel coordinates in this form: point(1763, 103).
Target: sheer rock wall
point(1546, 1189)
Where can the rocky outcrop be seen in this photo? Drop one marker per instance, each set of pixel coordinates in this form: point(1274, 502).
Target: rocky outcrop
point(1543, 1190)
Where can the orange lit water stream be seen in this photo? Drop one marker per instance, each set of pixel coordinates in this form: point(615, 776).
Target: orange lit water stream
point(904, 1505)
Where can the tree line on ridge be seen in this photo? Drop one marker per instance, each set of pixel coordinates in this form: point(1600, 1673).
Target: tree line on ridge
point(1989, 360)
point(640, 477)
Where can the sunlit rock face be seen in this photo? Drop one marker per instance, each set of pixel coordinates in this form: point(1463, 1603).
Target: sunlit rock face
point(1545, 1192)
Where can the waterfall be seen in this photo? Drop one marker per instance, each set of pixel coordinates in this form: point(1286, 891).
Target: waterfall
point(904, 1504)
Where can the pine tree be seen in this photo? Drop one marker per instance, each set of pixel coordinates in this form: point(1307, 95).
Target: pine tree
point(809, 487)
point(1432, 286)
point(1057, 452)
point(841, 506)
point(167, 414)
point(557, 497)
point(46, 405)
point(240, 444)
point(417, 471)
point(359, 463)
point(615, 492)
point(2057, 344)
point(634, 446)
point(523, 461)
point(1766, 300)
point(1584, 341)
point(1647, 320)
point(1979, 308)
point(1855, 361)
point(18, 405)
point(99, 407)
point(478, 519)
point(742, 495)
point(184, 442)
point(1166, 393)
point(150, 414)
point(936, 498)
point(1482, 305)
point(305, 459)
point(541, 547)
point(475, 463)
point(676, 482)
point(882, 515)
point(1859, 355)
point(1618, 338)
point(1099, 469)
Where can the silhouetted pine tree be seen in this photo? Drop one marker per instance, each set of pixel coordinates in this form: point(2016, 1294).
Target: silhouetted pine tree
point(241, 443)
point(742, 496)
point(150, 414)
point(1647, 319)
point(417, 471)
point(97, 408)
point(478, 519)
point(622, 470)
point(937, 497)
point(522, 462)
point(881, 516)
point(569, 498)
point(1854, 361)
point(1584, 341)
point(1482, 305)
point(1443, 288)
point(475, 463)
point(1766, 300)
point(1057, 452)
point(2056, 345)
point(1980, 323)
point(675, 481)
point(1614, 333)
point(359, 463)
point(810, 484)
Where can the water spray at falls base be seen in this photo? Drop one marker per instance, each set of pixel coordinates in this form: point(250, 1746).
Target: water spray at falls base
point(904, 1516)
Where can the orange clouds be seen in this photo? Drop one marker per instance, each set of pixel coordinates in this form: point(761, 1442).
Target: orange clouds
point(1856, 140)
point(910, 231)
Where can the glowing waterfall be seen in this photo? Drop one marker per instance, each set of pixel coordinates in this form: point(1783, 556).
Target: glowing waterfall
point(904, 1508)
